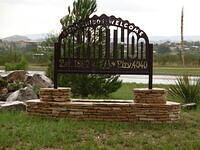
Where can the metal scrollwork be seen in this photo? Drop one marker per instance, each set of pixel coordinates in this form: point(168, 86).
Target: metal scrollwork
point(104, 44)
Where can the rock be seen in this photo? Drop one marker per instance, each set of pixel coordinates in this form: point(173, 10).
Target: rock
point(1, 103)
point(23, 94)
point(13, 106)
point(16, 76)
point(3, 83)
point(4, 94)
point(1, 78)
point(3, 91)
point(189, 106)
point(4, 97)
point(40, 81)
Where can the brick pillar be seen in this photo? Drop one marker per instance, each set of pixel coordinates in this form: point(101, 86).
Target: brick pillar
point(55, 95)
point(150, 96)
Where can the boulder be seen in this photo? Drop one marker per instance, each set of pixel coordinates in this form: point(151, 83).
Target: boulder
point(1, 103)
point(189, 106)
point(39, 80)
point(4, 94)
point(23, 94)
point(13, 106)
point(16, 76)
point(3, 83)
point(3, 91)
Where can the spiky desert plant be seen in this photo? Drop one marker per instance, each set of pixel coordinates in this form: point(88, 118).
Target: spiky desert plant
point(186, 89)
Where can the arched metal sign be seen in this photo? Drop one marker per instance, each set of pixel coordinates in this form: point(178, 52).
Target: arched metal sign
point(103, 45)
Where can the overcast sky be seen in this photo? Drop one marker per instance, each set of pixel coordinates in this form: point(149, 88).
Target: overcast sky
point(155, 17)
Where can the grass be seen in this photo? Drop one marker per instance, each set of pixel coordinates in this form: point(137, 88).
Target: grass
point(20, 131)
point(157, 70)
point(176, 71)
point(37, 67)
point(126, 91)
point(32, 67)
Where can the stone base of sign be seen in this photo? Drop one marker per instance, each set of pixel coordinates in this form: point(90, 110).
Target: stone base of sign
point(55, 95)
point(140, 110)
point(150, 96)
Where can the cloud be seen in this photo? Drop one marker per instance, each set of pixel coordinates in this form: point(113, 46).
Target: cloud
point(156, 17)
point(124, 6)
point(35, 2)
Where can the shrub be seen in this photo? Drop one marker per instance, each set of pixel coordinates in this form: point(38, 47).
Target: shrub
point(36, 89)
point(90, 85)
point(9, 66)
point(15, 86)
point(22, 65)
point(186, 90)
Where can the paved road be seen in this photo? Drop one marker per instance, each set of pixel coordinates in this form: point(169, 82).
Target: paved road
point(157, 79)
point(2, 72)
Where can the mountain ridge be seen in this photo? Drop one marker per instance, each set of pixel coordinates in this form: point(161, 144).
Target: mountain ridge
point(155, 39)
point(16, 38)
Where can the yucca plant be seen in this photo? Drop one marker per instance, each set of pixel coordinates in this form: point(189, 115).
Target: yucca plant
point(186, 89)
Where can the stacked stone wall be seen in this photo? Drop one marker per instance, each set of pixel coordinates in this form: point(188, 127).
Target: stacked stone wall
point(149, 106)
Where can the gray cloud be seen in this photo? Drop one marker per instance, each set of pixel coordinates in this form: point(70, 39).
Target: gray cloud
point(33, 2)
point(125, 5)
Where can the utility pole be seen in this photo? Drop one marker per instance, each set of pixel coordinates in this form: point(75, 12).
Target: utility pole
point(182, 40)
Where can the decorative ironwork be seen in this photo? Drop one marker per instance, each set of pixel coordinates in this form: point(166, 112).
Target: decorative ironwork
point(103, 45)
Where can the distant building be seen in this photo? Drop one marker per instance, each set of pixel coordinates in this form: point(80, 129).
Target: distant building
point(27, 44)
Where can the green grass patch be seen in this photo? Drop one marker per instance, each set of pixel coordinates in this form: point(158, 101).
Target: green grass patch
point(20, 131)
point(32, 67)
point(157, 70)
point(126, 90)
point(176, 71)
point(37, 67)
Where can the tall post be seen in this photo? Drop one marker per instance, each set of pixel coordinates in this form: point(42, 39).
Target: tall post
point(150, 66)
point(182, 40)
point(56, 48)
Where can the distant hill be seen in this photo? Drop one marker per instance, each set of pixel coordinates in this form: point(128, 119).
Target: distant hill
point(16, 38)
point(27, 37)
point(37, 36)
point(155, 39)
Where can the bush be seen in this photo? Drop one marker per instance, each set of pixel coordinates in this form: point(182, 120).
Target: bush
point(186, 90)
point(22, 65)
point(15, 86)
point(90, 85)
point(36, 89)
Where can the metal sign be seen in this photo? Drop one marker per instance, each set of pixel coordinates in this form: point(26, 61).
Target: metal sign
point(103, 45)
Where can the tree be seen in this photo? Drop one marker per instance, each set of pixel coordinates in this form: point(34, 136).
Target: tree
point(81, 10)
point(84, 85)
point(163, 48)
